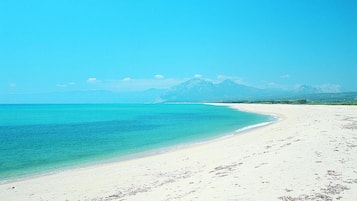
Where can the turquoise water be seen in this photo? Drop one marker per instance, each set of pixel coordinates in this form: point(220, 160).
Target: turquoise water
point(40, 138)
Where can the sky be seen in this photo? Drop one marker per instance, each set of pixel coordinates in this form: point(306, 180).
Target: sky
point(51, 46)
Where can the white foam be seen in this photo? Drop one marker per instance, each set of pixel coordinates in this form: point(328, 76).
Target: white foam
point(253, 126)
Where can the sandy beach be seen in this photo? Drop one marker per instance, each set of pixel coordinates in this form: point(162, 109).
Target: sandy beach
point(310, 154)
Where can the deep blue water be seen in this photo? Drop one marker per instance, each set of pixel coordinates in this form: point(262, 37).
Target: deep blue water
point(40, 138)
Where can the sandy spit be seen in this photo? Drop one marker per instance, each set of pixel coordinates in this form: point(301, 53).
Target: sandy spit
point(310, 154)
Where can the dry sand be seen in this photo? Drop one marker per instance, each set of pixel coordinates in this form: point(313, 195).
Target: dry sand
point(311, 154)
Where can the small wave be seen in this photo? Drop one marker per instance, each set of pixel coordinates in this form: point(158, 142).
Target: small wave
point(253, 126)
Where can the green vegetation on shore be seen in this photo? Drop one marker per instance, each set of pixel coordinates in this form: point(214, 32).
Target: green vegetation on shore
point(296, 102)
point(345, 98)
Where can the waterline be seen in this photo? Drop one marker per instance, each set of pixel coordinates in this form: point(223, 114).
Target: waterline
point(67, 136)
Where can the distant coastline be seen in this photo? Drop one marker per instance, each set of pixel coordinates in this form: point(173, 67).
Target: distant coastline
point(295, 102)
point(195, 90)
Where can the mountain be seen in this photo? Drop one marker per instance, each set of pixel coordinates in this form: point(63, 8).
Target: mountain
point(230, 90)
point(307, 89)
point(199, 90)
point(194, 90)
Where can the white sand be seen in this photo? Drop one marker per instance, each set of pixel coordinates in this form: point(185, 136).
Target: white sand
point(309, 155)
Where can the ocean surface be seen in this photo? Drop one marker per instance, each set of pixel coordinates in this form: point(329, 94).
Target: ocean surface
point(36, 139)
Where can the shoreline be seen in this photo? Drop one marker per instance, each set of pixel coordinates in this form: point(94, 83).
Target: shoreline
point(144, 154)
point(309, 155)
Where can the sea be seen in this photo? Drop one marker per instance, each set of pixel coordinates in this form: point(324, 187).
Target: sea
point(41, 139)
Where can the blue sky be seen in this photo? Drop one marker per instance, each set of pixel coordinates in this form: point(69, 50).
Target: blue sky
point(48, 46)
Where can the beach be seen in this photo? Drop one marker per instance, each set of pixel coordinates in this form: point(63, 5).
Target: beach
point(310, 153)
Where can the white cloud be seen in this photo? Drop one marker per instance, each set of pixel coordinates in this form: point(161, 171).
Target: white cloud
point(223, 77)
point(286, 76)
point(92, 80)
point(273, 84)
point(159, 76)
point(12, 85)
point(197, 75)
point(126, 79)
point(71, 83)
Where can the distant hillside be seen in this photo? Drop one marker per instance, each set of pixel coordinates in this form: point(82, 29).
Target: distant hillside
point(198, 90)
point(329, 97)
point(306, 89)
point(194, 90)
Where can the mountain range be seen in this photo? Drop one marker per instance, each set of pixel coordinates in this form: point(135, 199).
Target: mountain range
point(193, 90)
point(198, 90)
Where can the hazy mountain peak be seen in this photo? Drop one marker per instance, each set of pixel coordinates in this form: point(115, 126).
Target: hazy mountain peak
point(194, 83)
point(228, 82)
point(203, 90)
point(307, 89)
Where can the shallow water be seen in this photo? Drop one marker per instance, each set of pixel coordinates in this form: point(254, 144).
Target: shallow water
point(40, 138)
